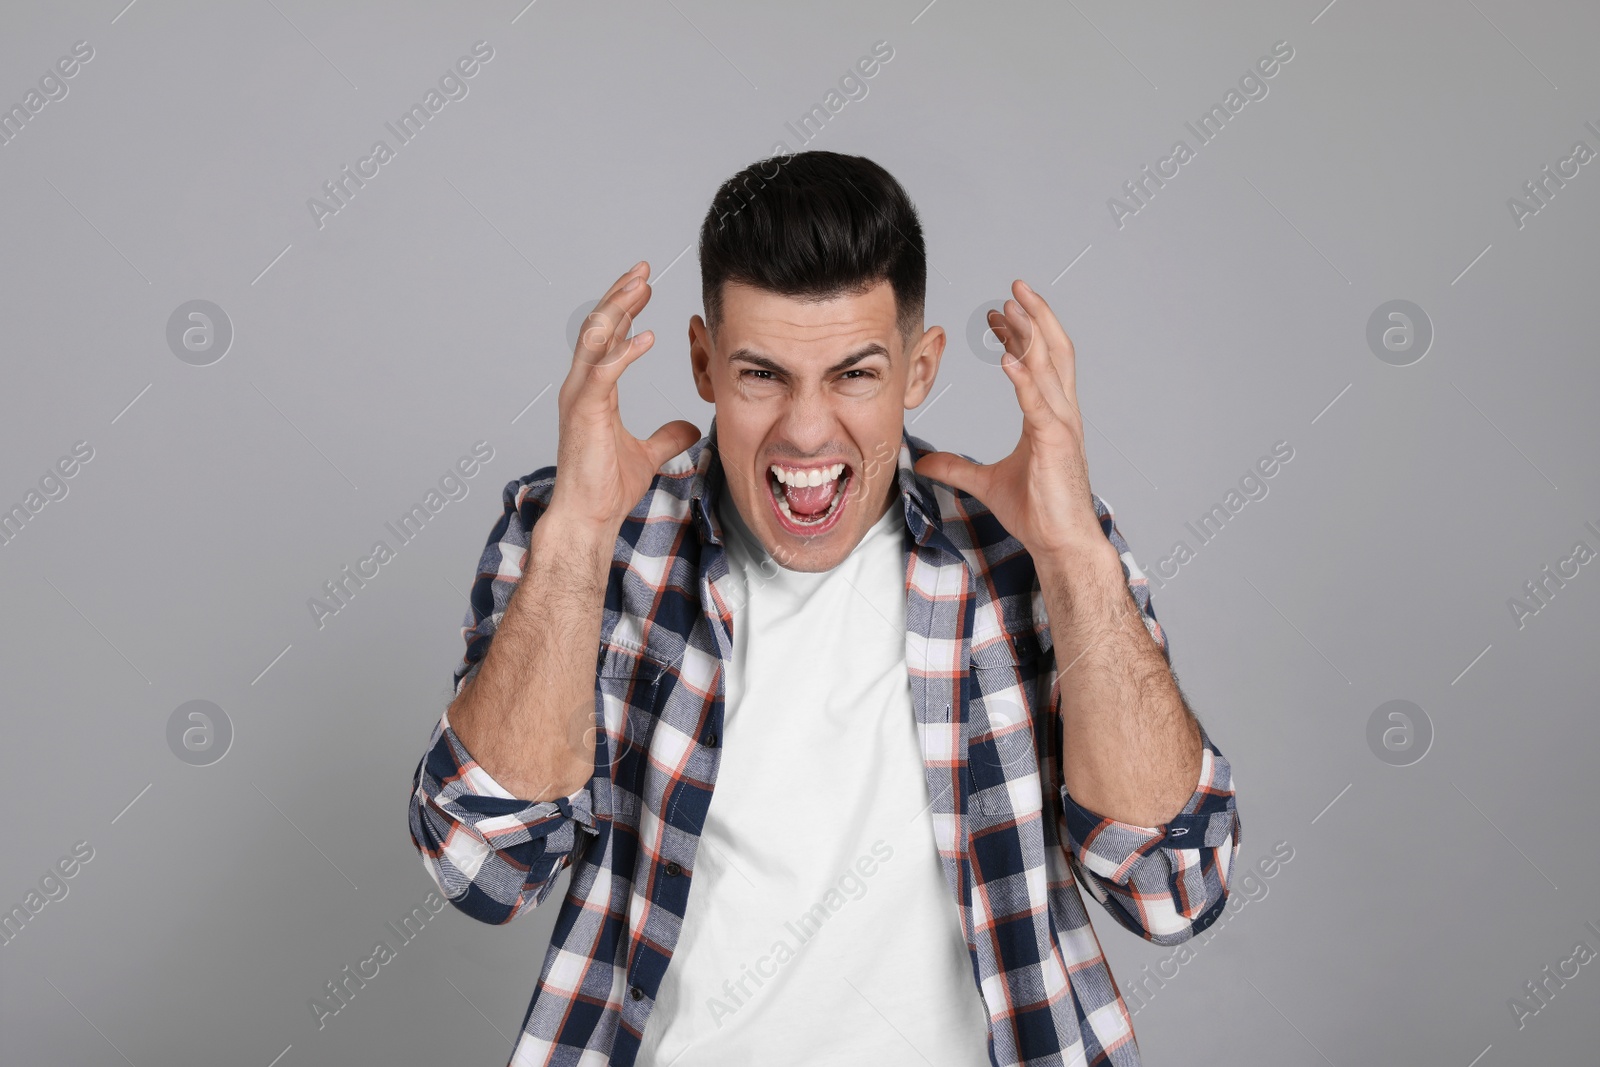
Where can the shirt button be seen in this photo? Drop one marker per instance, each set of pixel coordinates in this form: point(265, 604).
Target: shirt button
point(673, 868)
point(635, 992)
point(711, 740)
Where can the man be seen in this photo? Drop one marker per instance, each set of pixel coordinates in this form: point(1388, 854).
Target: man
point(823, 722)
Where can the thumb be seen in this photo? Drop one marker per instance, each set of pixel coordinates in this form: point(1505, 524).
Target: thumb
point(953, 470)
point(668, 441)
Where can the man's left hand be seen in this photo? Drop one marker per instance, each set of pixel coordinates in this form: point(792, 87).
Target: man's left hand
point(1040, 492)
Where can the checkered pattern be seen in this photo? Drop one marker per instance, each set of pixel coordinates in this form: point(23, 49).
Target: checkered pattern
point(984, 685)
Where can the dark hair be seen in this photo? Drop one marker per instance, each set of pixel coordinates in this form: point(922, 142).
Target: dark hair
point(814, 225)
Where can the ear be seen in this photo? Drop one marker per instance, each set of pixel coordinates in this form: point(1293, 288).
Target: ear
point(923, 366)
point(700, 354)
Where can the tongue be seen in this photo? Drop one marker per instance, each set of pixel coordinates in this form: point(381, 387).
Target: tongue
point(811, 500)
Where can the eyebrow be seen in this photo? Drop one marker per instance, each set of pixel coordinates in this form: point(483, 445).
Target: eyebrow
point(871, 348)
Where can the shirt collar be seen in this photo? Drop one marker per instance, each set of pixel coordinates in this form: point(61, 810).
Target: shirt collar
point(709, 479)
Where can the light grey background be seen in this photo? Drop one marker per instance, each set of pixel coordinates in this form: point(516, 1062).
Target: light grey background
point(1228, 314)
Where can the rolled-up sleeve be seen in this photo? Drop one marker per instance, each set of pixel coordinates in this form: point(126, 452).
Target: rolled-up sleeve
point(491, 853)
point(1165, 883)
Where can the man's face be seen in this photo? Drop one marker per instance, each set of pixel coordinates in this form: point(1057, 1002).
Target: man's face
point(810, 387)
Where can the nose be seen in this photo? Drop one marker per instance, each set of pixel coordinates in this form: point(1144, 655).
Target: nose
point(809, 424)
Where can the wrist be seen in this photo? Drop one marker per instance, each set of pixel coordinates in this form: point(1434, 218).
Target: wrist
point(1080, 567)
point(562, 535)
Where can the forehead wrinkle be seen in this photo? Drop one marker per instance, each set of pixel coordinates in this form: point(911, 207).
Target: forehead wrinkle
point(855, 328)
point(846, 321)
point(822, 333)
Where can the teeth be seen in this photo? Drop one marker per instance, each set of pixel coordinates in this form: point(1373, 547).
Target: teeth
point(802, 478)
point(838, 495)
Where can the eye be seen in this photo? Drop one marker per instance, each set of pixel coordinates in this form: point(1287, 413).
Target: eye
point(744, 372)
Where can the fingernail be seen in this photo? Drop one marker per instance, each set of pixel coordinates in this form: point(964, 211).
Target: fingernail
point(637, 265)
point(634, 284)
point(1025, 286)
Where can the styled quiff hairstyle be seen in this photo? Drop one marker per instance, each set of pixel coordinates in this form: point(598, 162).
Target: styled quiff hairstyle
point(814, 226)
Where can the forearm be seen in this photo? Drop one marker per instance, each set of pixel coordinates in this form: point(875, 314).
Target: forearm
point(527, 717)
point(1130, 746)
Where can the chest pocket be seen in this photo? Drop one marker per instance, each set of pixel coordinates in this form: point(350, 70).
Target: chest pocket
point(619, 659)
point(629, 684)
point(1006, 679)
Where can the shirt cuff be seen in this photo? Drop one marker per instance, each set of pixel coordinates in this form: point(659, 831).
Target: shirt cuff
point(1113, 849)
point(491, 811)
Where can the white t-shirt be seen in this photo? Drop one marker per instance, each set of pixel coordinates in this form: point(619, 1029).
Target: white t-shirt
point(819, 927)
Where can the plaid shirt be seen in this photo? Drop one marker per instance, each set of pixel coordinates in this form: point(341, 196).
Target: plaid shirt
point(984, 688)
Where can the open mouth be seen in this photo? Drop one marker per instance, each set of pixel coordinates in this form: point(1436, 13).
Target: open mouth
point(808, 500)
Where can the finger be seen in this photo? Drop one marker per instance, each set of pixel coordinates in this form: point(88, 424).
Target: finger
point(668, 441)
point(612, 318)
point(1063, 355)
point(1022, 331)
point(1037, 344)
point(603, 338)
point(1036, 410)
point(593, 386)
point(1023, 340)
point(625, 277)
point(599, 325)
point(955, 471)
point(627, 349)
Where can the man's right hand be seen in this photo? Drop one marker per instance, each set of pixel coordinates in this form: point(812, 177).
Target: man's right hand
point(528, 718)
point(602, 470)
